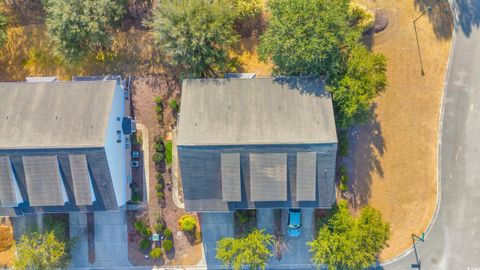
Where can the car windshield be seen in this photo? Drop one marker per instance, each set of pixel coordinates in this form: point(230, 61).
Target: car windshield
point(294, 226)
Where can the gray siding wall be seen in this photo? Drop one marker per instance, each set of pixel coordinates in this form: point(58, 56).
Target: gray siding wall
point(99, 170)
point(201, 176)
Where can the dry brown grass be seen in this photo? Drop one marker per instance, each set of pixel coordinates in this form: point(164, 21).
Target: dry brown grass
point(400, 176)
point(7, 245)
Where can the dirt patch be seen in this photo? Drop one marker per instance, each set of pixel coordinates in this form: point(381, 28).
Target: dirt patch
point(144, 91)
point(7, 243)
point(393, 159)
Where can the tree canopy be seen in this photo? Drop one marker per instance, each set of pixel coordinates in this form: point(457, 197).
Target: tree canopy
point(3, 29)
point(41, 251)
point(195, 34)
point(253, 250)
point(77, 27)
point(322, 38)
point(344, 242)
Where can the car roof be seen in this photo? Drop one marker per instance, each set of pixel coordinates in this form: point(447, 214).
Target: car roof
point(294, 217)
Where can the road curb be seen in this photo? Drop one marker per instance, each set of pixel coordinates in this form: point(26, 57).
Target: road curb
point(439, 146)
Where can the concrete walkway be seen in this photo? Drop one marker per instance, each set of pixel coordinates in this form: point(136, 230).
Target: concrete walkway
point(146, 162)
point(78, 231)
point(175, 185)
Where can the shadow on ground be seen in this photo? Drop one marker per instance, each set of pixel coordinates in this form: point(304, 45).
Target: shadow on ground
point(440, 17)
point(366, 146)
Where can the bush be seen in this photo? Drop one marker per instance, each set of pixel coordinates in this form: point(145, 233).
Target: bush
point(158, 139)
point(159, 109)
point(342, 170)
point(343, 187)
point(139, 226)
point(159, 176)
point(344, 179)
point(174, 105)
point(160, 195)
point(158, 227)
point(246, 9)
point(158, 157)
point(242, 216)
point(361, 16)
point(187, 223)
point(167, 233)
point(147, 232)
point(144, 244)
point(158, 187)
point(156, 253)
point(137, 138)
point(343, 144)
point(158, 101)
point(167, 245)
point(159, 147)
point(160, 118)
point(135, 197)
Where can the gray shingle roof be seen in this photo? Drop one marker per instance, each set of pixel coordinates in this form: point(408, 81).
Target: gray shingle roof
point(255, 111)
point(54, 115)
point(43, 180)
point(230, 170)
point(7, 190)
point(81, 179)
point(268, 177)
point(306, 176)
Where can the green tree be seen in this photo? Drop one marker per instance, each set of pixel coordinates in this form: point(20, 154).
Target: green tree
point(308, 37)
point(246, 9)
point(252, 251)
point(3, 29)
point(344, 242)
point(76, 28)
point(364, 79)
point(322, 38)
point(195, 34)
point(41, 251)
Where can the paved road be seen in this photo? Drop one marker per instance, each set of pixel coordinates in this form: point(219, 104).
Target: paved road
point(454, 239)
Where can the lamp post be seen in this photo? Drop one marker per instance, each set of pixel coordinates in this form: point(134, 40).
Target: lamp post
point(429, 10)
point(418, 264)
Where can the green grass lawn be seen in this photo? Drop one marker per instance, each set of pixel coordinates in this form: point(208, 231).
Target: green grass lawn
point(168, 153)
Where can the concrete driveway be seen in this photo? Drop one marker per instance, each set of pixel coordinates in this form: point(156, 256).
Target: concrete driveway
point(296, 254)
point(110, 239)
point(215, 226)
point(454, 239)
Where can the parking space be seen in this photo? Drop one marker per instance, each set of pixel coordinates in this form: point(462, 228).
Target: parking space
point(215, 226)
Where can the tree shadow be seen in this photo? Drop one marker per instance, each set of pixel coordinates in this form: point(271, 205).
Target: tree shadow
point(366, 146)
point(468, 14)
point(440, 17)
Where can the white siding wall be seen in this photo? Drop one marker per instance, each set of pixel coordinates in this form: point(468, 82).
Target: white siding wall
point(116, 151)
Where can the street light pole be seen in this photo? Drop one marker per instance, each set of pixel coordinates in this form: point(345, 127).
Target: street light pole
point(429, 10)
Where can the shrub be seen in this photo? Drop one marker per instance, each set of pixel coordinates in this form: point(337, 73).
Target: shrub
point(167, 245)
point(158, 227)
point(158, 139)
point(158, 101)
point(156, 253)
point(139, 226)
point(160, 118)
point(6, 238)
point(344, 179)
point(247, 8)
point(135, 197)
point(159, 109)
point(187, 223)
point(137, 138)
point(343, 144)
point(159, 147)
point(174, 105)
point(147, 232)
point(158, 187)
point(242, 216)
point(158, 157)
point(342, 170)
point(343, 187)
point(159, 176)
point(160, 195)
point(144, 244)
point(361, 16)
point(167, 233)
